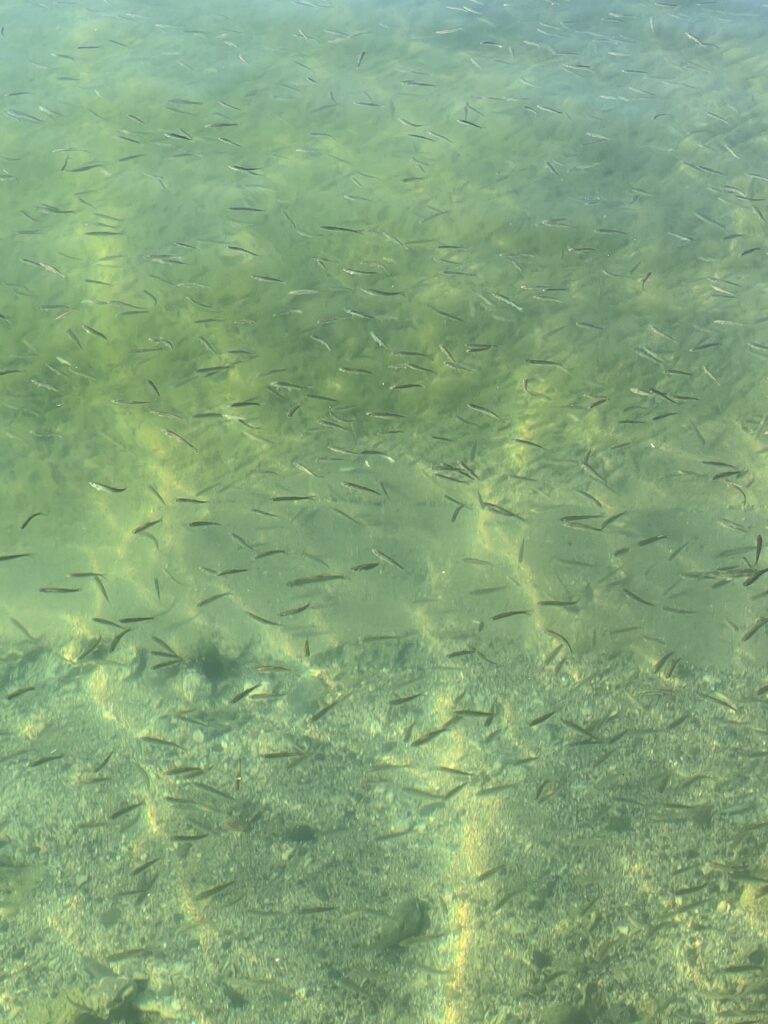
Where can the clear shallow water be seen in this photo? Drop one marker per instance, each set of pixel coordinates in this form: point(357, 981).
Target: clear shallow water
point(384, 418)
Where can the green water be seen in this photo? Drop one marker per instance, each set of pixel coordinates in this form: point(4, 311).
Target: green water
point(383, 410)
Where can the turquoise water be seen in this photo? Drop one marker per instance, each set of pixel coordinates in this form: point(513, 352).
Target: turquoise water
point(383, 408)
